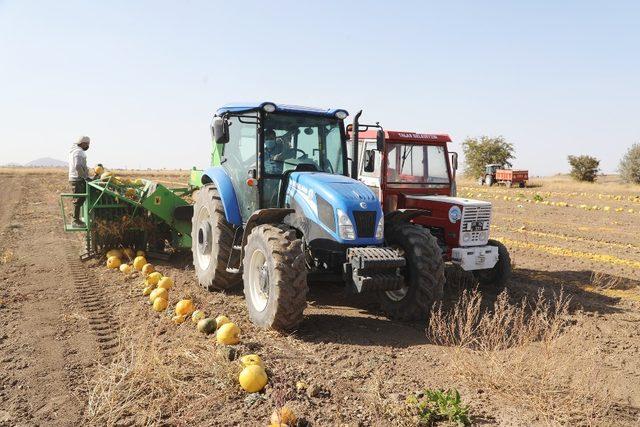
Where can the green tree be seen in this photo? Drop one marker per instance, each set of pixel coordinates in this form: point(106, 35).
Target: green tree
point(584, 168)
point(630, 165)
point(484, 150)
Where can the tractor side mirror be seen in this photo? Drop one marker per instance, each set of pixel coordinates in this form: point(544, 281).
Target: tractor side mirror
point(454, 160)
point(220, 130)
point(380, 140)
point(369, 161)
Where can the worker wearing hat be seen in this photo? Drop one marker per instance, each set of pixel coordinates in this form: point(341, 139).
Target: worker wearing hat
point(78, 175)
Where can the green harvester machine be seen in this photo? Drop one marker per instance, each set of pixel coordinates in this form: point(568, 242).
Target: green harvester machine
point(140, 214)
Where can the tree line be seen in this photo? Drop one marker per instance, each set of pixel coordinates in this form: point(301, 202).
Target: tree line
point(484, 150)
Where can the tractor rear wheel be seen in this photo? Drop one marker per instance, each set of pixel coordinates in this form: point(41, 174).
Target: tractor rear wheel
point(489, 180)
point(498, 276)
point(275, 277)
point(424, 273)
point(212, 241)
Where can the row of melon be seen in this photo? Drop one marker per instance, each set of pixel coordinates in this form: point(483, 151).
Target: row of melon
point(253, 377)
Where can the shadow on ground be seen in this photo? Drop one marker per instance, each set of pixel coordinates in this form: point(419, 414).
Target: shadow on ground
point(356, 319)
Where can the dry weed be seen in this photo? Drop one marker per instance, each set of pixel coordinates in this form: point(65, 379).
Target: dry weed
point(148, 384)
point(518, 353)
point(603, 281)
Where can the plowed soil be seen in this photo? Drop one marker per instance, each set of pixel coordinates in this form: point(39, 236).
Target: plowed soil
point(79, 344)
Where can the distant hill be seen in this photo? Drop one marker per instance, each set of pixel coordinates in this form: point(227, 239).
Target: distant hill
point(46, 162)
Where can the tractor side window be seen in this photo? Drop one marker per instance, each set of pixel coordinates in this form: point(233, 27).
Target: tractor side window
point(240, 157)
point(437, 165)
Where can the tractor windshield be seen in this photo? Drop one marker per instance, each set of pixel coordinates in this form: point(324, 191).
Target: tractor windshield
point(417, 164)
point(291, 140)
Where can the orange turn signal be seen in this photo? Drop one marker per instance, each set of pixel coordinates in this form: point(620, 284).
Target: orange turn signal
point(251, 182)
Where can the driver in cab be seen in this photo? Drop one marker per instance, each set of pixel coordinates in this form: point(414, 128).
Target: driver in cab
point(272, 149)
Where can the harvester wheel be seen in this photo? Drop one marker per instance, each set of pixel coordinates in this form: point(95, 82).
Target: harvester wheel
point(212, 241)
point(275, 277)
point(498, 276)
point(424, 273)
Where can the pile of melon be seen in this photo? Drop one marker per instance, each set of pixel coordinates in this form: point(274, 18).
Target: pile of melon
point(129, 188)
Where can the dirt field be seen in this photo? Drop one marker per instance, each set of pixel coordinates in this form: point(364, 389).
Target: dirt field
point(79, 344)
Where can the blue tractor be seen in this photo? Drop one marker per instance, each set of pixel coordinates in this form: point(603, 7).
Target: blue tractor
point(278, 208)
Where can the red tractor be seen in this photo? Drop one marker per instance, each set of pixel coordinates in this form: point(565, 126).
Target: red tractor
point(414, 176)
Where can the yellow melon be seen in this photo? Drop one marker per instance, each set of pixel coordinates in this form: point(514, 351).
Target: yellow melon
point(184, 307)
point(251, 359)
point(106, 175)
point(228, 334)
point(158, 293)
point(139, 262)
point(221, 320)
point(147, 269)
point(113, 262)
point(253, 378)
point(99, 170)
point(197, 316)
point(178, 319)
point(147, 291)
point(165, 282)
point(126, 268)
point(160, 304)
point(154, 277)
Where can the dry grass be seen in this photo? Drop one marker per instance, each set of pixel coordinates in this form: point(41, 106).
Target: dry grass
point(520, 355)
point(150, 383)
point(604, 281)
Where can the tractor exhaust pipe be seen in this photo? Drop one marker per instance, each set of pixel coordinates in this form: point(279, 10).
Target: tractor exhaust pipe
point(356, 138)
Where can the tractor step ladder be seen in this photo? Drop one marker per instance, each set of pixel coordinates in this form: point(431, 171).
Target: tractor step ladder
point(236, 250)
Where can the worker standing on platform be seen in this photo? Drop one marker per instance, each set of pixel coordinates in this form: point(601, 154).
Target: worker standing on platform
point(78, 176)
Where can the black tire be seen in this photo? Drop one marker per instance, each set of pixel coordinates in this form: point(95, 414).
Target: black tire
point(212, 269)
point(489, 180)
point(424, 273)
point(279, 256)
point(498, 276)
point(522, 184)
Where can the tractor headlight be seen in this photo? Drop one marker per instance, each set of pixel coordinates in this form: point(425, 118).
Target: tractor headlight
point(341, 114)
point(380, 229)
point(269, 107)
point(345, 226)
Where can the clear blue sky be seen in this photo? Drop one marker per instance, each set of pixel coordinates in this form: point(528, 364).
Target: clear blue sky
point(143, 78)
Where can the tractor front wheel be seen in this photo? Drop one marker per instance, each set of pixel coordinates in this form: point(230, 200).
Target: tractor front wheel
point(498, 276)
point(275, 278)
point(212, 241)
point(424, 273)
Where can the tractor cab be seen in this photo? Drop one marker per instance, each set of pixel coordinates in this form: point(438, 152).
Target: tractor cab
point(406, 163)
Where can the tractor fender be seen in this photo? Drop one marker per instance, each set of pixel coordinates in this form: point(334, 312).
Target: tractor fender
point(403, 215)
point(218, 176)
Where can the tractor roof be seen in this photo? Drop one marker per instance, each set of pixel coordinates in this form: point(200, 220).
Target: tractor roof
point(399, 136)
point(240, 107)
